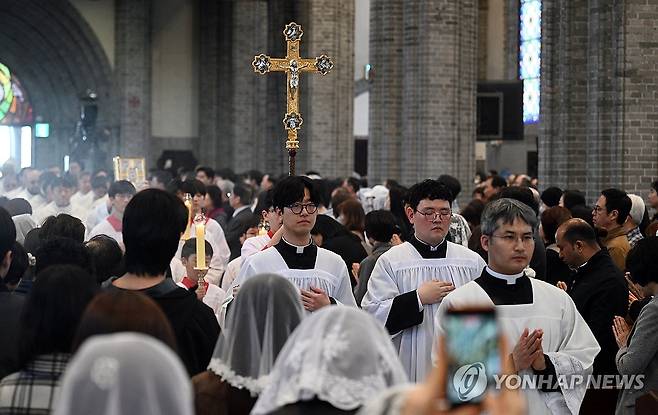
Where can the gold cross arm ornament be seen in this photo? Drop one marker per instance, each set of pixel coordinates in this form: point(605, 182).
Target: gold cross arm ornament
point(292, 65)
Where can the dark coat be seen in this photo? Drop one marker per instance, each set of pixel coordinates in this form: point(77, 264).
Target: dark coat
point(194, 323)
point(349, 247)
point(11, 306)
point(600, 293)
point(556, 269)
point(315, 407)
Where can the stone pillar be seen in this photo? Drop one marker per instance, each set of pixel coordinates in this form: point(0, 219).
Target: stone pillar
point(212, 45)
point(598, 117)
point(327, 136)
point(133, 76)
point(438, 87)
point(249, 90)
point(385, 104)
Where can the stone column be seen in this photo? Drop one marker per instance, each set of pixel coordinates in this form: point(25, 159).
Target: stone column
point(327, 136)
point(133, 76)
point(385, 104)
point(249, 90)
point(598, 73)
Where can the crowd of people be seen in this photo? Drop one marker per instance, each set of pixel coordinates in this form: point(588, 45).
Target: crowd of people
point(320, 296)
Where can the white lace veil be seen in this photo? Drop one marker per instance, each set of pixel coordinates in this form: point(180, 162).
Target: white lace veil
point(258, 324)
point(125, 373)
point(340, 355)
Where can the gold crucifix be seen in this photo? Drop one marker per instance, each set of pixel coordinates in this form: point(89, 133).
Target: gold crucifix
point(292, 65)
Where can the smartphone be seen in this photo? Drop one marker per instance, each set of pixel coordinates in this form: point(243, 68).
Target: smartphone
point(473, 349)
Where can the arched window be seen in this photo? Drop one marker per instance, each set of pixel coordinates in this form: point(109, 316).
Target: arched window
point(15, 120)
point(530, 57)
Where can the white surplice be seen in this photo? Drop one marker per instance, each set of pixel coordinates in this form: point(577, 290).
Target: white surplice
point(567, 340)
point(402, 269)
point(328, 274)
point(221, 253)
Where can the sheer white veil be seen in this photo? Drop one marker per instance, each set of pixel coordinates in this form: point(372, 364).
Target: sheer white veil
point(258, 324)
point(340, 355)
point(125, 373)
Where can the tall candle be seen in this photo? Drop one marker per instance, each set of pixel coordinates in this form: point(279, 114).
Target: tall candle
point(201, 245)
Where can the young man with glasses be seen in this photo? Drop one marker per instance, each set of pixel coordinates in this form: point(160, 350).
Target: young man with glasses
point(409, 281)
point(610, 214)
point(549, 336)
point(320, 275)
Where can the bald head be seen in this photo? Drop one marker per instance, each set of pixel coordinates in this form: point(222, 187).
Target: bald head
point(577, 229)
point(577, 242)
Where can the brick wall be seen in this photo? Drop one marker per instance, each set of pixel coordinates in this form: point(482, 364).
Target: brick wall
point(598, 73)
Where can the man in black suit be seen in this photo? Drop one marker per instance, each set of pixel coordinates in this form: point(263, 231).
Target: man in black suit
point(240, 200)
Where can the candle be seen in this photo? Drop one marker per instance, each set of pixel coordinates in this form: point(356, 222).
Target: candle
point(188, 205)
point(201, 245)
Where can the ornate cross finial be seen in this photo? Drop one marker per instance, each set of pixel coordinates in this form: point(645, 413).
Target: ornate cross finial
point(292, 65)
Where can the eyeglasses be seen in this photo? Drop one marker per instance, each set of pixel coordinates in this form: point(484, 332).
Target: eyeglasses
point(511, 239)
point(598, 209)
point(432, 215)
point(298, 207)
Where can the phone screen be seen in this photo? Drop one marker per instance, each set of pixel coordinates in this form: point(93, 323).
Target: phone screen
point(472, 343)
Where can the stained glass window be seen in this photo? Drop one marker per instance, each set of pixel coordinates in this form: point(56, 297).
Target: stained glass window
point(15, 108)
point(530, 57)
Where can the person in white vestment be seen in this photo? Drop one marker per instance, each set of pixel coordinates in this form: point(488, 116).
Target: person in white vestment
point(249, 230)
point(63, 188)
point(274, 221)
point(549, 337)
point(409, 281)
point(320, 275)
point(84, 197)
point(120, 194)
point(214, 233)
point(30, 190)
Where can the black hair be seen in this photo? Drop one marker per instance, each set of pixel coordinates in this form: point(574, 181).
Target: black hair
point(498, 181)
point(323, 191)
point(327, 227)
point(62, 251)
point(215, 194)
point(291, 190)
point(522, 194)
point(65, 181)
point(191, 186)
point(579, 231)
point(551, 196)
point(99, 181)
point(254, 175)
point(354, 183)
point(452, 183)
point(642, 261)
point(19, 264)
point(62, 226)
point(189, 248)
point(582, 212)
point(226, 173)
point(244, 192)
point(571, 198)
point(208, 171)
point(654, 185)
point(18, 206)
point(162, 176)
point(53, 310)
point(380, 225)
point(265, 202)
point(152, 226)
point(252, 222)
point(7, 233)
point(618, 200)
point(121, 187)
point(106, 256)
point(428, 189)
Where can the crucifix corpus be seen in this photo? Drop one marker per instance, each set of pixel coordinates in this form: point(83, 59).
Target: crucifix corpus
point(292, 65)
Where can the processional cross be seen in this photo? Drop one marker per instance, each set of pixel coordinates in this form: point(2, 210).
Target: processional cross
point(292, 65)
